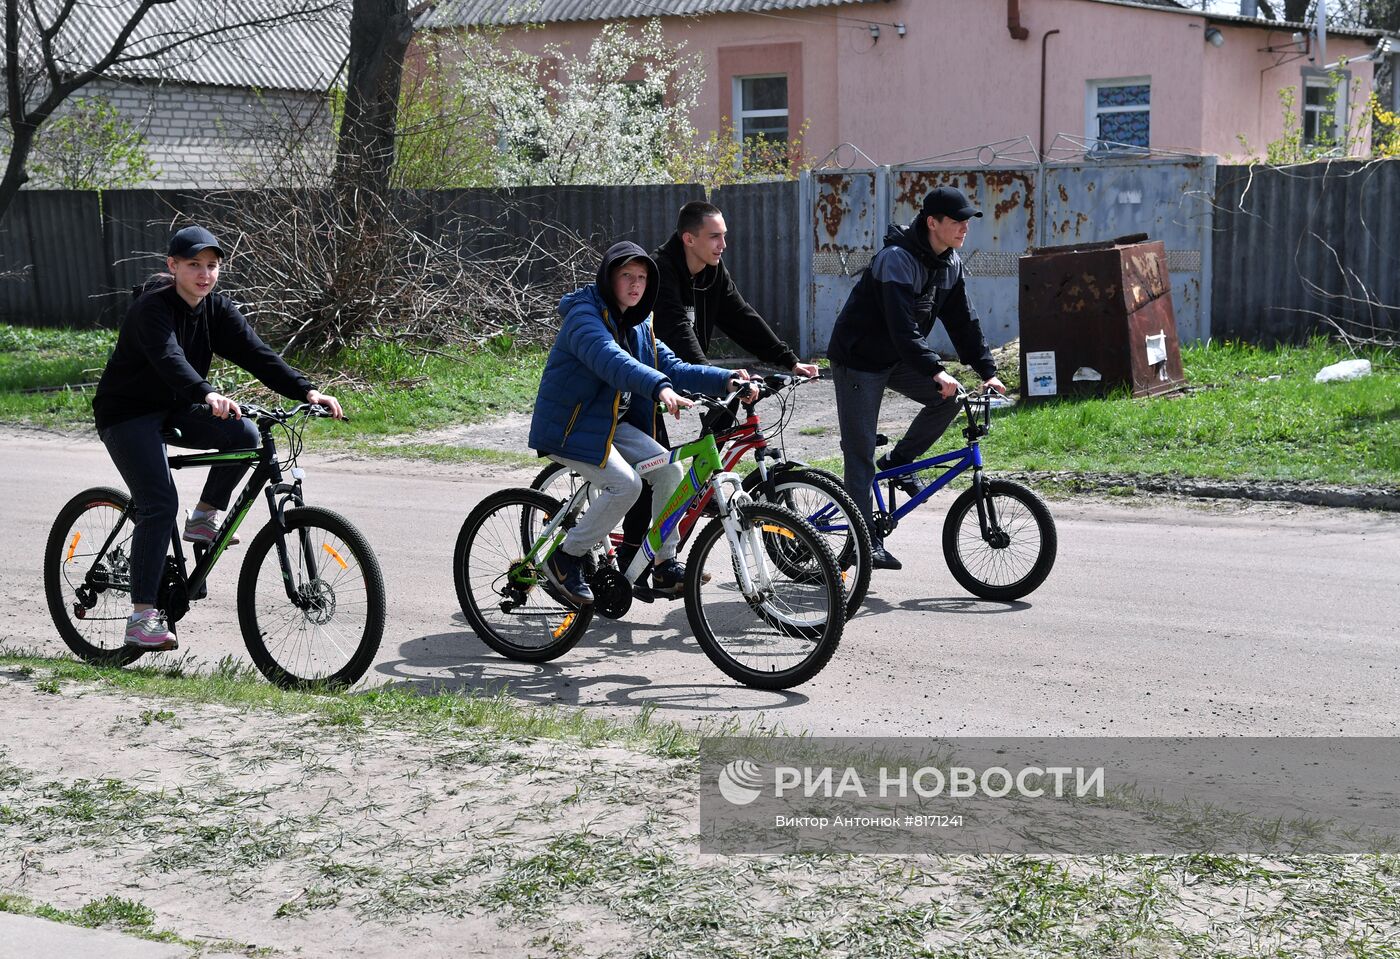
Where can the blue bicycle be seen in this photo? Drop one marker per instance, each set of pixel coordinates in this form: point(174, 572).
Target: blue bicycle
point(999, 537)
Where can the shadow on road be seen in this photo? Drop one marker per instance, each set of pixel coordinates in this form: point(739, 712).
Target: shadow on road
point(459, 662)
point(957, 605)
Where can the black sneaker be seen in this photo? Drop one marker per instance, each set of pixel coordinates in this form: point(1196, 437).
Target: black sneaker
point(881, 558)
point(911, 484)
point(668, 579)
point(565, 571)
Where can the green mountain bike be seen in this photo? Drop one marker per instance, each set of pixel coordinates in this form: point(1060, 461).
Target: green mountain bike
point(763, 592)
point(310, 595)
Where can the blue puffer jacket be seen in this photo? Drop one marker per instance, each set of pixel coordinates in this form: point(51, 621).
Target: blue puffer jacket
point(601, 352)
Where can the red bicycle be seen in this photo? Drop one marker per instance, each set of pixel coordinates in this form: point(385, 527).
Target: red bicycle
point(815, 494)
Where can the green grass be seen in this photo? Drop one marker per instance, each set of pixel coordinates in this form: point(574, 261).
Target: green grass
point(240, 685)
point(396, 389)
point(1233, 424)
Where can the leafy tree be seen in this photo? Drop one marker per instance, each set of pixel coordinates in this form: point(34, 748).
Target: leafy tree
point(90, 147)
point(615, 115)
point(446, 141)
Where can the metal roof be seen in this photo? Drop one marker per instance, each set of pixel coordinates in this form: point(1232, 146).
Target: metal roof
point(303, 52)
point(483, 13)
point(1171, 7)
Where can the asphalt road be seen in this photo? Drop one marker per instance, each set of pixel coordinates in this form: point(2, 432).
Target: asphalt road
point(1165, 618)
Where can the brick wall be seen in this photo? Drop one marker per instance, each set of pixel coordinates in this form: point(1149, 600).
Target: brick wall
point(208, 137)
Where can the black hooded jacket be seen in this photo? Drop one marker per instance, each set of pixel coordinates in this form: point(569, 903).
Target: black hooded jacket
point(688, 308)
point(890, 312)
point(164, 350)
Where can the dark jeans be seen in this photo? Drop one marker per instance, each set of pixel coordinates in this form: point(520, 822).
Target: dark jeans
point(137, 449)
point(858, 398)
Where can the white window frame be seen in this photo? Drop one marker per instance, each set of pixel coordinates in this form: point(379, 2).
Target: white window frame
point(740, 114)
point(1322, 80)
point(1092, 110)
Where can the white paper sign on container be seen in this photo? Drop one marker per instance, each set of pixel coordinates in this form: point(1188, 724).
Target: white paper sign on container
point(1040, 374)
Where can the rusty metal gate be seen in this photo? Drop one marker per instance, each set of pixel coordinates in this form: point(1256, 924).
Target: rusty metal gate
point(845, 214)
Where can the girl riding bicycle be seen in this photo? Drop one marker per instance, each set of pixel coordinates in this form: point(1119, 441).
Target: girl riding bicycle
point(154, 380)
point(604, 376)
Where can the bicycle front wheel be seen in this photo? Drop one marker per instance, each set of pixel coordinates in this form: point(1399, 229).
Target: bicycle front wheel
point(322, 627)
point(89, 595)
point(1017, 551)
point(819, 498)
point(786, 629)
point(507, 601)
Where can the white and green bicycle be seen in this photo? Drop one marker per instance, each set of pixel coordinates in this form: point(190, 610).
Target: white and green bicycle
point(763, 591)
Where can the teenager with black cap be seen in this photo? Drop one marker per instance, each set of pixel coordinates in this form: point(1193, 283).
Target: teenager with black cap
point(881, 339)
point(596, 410)
point(156, 378)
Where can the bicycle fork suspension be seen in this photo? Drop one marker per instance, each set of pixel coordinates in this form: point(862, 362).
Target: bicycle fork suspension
point(743, 542)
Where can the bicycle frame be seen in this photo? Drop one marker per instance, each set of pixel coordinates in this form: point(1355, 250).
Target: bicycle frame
point(969, 457)
point(706, 475)
point(954, 464)
point(266, 473)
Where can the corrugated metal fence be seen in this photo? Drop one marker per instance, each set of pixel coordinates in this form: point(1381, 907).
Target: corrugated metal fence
point(1290, 245)
point(1298, 244)
point(70, 257)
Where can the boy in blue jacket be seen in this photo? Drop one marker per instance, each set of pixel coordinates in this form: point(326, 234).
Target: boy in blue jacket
point(596, 411)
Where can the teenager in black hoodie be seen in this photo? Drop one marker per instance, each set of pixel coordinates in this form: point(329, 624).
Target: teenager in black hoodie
point(156, 378)
point(881, 338)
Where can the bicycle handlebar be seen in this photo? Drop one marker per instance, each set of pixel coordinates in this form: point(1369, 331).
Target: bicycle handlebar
point(277, 416)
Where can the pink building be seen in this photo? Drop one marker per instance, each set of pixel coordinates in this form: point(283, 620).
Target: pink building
point(905, 80)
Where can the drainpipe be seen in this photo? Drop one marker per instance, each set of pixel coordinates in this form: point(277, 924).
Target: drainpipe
point(1040, 145)
point(1013, 20)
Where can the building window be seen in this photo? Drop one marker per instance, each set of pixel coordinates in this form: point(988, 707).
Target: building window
point(761, 108)
point(1119, 113)
point(1325, 107)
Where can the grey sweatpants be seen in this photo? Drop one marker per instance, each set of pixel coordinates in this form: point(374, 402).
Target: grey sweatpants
point(618, 485)
point(858, 397)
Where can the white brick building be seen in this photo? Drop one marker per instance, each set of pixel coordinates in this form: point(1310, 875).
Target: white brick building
point(218, 115)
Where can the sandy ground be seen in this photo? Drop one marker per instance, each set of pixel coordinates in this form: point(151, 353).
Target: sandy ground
point(259, 829)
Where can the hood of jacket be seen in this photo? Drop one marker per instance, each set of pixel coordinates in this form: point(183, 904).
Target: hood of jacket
point(616, 256)
point(914, 238)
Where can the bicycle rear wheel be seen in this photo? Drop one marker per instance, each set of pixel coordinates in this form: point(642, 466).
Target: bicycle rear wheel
point(326, 633)
point(90, 596)
point(1018, 551)
point(507, 601)
point(784, 634)
point(818, 497)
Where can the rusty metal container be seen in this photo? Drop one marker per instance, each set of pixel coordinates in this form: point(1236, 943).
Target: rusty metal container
point(1095, 316)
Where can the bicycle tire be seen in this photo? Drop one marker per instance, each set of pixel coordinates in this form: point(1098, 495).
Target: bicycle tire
point(331, 641)
point(850, 546)
point(488, 545)
point(99, 639)
point(781, 640)
point(1000, 572)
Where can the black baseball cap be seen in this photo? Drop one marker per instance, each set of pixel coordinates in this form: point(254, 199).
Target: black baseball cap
point(191, 240)
point(947, 201)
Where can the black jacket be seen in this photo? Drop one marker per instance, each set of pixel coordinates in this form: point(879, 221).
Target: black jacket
point(163, 352)
point(888, 316)
point(688, 308)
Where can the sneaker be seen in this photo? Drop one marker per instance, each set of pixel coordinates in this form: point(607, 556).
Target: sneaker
point(148, 631)
point(204, 529)
point(881, 558)
point(911, 484)
point(668, 578)
point(565, 571)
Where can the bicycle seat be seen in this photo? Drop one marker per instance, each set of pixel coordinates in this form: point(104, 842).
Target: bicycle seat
point(171, 434)
point(881, 440)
